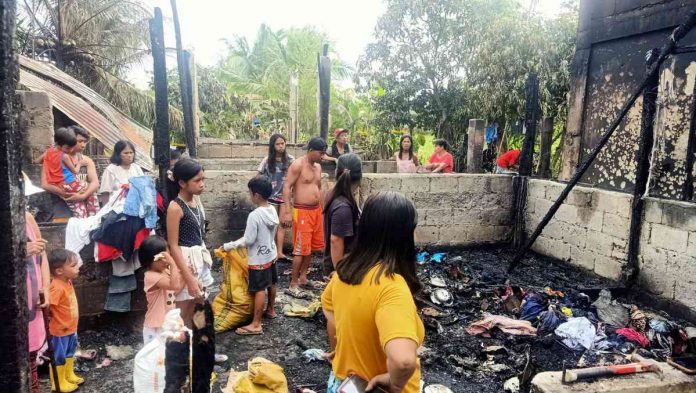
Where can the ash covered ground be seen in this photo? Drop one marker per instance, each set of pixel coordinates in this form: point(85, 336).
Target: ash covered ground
point(475, 277)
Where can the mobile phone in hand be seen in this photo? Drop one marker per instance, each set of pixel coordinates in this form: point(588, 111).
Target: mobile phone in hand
point(355, 384)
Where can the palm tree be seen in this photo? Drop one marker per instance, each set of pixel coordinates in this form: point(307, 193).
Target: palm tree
point(262, 72)
point(95, 41)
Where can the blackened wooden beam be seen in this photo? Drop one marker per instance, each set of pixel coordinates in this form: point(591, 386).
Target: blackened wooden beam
point(14, 355)
point(645, 146)
point(665, 51)
point(531, 117)
point(324, 65)
point(184, 86)
point(161, 101)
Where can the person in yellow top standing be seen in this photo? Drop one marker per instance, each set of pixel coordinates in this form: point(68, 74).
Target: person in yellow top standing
point(372, 322)
point(64, 317)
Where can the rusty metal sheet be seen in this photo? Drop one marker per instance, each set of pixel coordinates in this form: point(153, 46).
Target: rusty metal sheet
point(87, 108)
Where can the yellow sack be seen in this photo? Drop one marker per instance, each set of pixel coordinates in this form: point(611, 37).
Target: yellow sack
point(233, 306)
point(263, 376)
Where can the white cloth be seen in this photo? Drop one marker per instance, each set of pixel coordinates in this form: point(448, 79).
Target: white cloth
point(150, 334)
point(577, 331)
point(200, 261)
point(115, 176)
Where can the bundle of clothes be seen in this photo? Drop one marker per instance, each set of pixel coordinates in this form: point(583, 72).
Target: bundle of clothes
point(583, 324)
point(117, 230)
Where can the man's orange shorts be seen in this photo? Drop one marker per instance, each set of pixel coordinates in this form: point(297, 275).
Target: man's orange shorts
point(307, 230)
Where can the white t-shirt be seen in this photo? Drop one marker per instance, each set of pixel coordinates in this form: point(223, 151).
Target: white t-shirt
point(115, 176)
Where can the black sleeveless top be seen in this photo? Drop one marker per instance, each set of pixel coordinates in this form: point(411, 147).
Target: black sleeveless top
point(191, 225)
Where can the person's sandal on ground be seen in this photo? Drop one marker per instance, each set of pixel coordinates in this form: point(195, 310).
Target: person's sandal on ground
point(298, 293)
point(311, 284)
point(245, 331)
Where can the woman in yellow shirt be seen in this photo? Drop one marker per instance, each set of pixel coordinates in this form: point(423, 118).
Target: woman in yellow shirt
point(372, 322)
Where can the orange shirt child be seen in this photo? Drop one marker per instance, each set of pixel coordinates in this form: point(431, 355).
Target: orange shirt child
point(64, 309)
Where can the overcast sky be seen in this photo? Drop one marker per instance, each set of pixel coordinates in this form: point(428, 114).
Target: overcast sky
point(349, 24)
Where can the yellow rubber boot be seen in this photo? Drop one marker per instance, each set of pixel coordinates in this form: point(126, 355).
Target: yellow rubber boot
point(65, 386)
point(70, 372)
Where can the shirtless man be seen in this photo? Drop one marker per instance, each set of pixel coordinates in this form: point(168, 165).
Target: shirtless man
point(303, 211)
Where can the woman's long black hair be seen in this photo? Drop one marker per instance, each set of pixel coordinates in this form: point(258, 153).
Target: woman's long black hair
point(384, 237)
point(348, 172)
point(118, 148)
point(271, 163)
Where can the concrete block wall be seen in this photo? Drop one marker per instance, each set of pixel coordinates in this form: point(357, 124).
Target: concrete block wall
point(456, 209)
point(591, 230)
point(453, 209)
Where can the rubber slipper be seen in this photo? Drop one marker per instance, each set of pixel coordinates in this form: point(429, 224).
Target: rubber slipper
point(311, 284)
point(297, 293)
point(247, 332)
point(87, 354)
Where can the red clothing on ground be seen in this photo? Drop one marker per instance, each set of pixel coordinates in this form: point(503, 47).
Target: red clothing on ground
point(509, 159)
point(446, 158)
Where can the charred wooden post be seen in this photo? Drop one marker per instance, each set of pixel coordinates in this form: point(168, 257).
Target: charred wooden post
point(531, 118)
point(184, 86)
point(666, 50)
point(545, 148)
point(14, 356)
point(324, 65)
point(474, 154)
point(519, 186)
point(645, 145)
point(161, 137)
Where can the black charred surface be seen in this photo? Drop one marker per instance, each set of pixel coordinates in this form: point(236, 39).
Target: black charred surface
point(161, 101)
point(14, 351)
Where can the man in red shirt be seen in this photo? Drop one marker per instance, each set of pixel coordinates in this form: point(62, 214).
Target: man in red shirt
point(441, 161)
point(508, 162)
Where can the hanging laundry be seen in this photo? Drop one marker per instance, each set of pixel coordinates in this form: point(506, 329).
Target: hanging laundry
point(491, 133)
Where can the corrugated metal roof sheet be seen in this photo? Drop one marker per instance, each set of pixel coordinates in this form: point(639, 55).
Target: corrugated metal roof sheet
point(87, 108)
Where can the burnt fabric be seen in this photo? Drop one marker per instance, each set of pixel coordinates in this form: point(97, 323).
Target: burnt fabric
point(632, 335)
point(507, 325)
point(176, 365)
point(534, 304)
point(549, 320)
point(203, 348)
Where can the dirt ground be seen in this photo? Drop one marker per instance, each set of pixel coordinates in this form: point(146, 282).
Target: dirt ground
point(453, 358)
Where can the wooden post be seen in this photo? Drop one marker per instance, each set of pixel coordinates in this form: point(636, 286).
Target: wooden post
point(545, 148)
point(293, 129)
point(666, 50)
point(645, 145)
point(185, 87)
point(14, 356)
point(192, 75)
point(688, 188)
point(474, 154)
point(161, 137)
point(324, 91)
point(531, 118)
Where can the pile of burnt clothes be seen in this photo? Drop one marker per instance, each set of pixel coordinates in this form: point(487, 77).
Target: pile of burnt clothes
point(604, 325)
point(117, 230)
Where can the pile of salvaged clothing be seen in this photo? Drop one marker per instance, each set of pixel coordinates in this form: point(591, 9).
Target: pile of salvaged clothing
point(602, 325)
point(117, 230)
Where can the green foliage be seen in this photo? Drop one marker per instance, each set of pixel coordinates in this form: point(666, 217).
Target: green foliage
point(436, 64)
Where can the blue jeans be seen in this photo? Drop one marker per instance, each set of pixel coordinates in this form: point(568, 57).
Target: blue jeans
point(333, 383)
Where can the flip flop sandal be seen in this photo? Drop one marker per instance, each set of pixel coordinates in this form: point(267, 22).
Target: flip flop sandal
point(298, 293)
point(87, 354)
point(247, 332)
point(311, 284)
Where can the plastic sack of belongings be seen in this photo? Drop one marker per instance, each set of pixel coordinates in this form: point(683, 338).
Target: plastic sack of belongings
point(262, 376)
point(234, 305)
point(149, 368)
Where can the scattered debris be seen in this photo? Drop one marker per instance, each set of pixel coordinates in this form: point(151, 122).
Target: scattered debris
point(442, 297)
point(512, 385)
point(119, 352)
point(437, 389)
point(313, 354)
point(577, 332)
point(609, 311)
point(297, 310)
point(507, 325)
point(438, 282)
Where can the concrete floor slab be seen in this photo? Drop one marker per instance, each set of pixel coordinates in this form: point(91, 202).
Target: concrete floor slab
point(674, 381)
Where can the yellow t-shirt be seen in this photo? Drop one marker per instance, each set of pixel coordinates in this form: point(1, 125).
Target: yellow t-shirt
point(368, 316)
